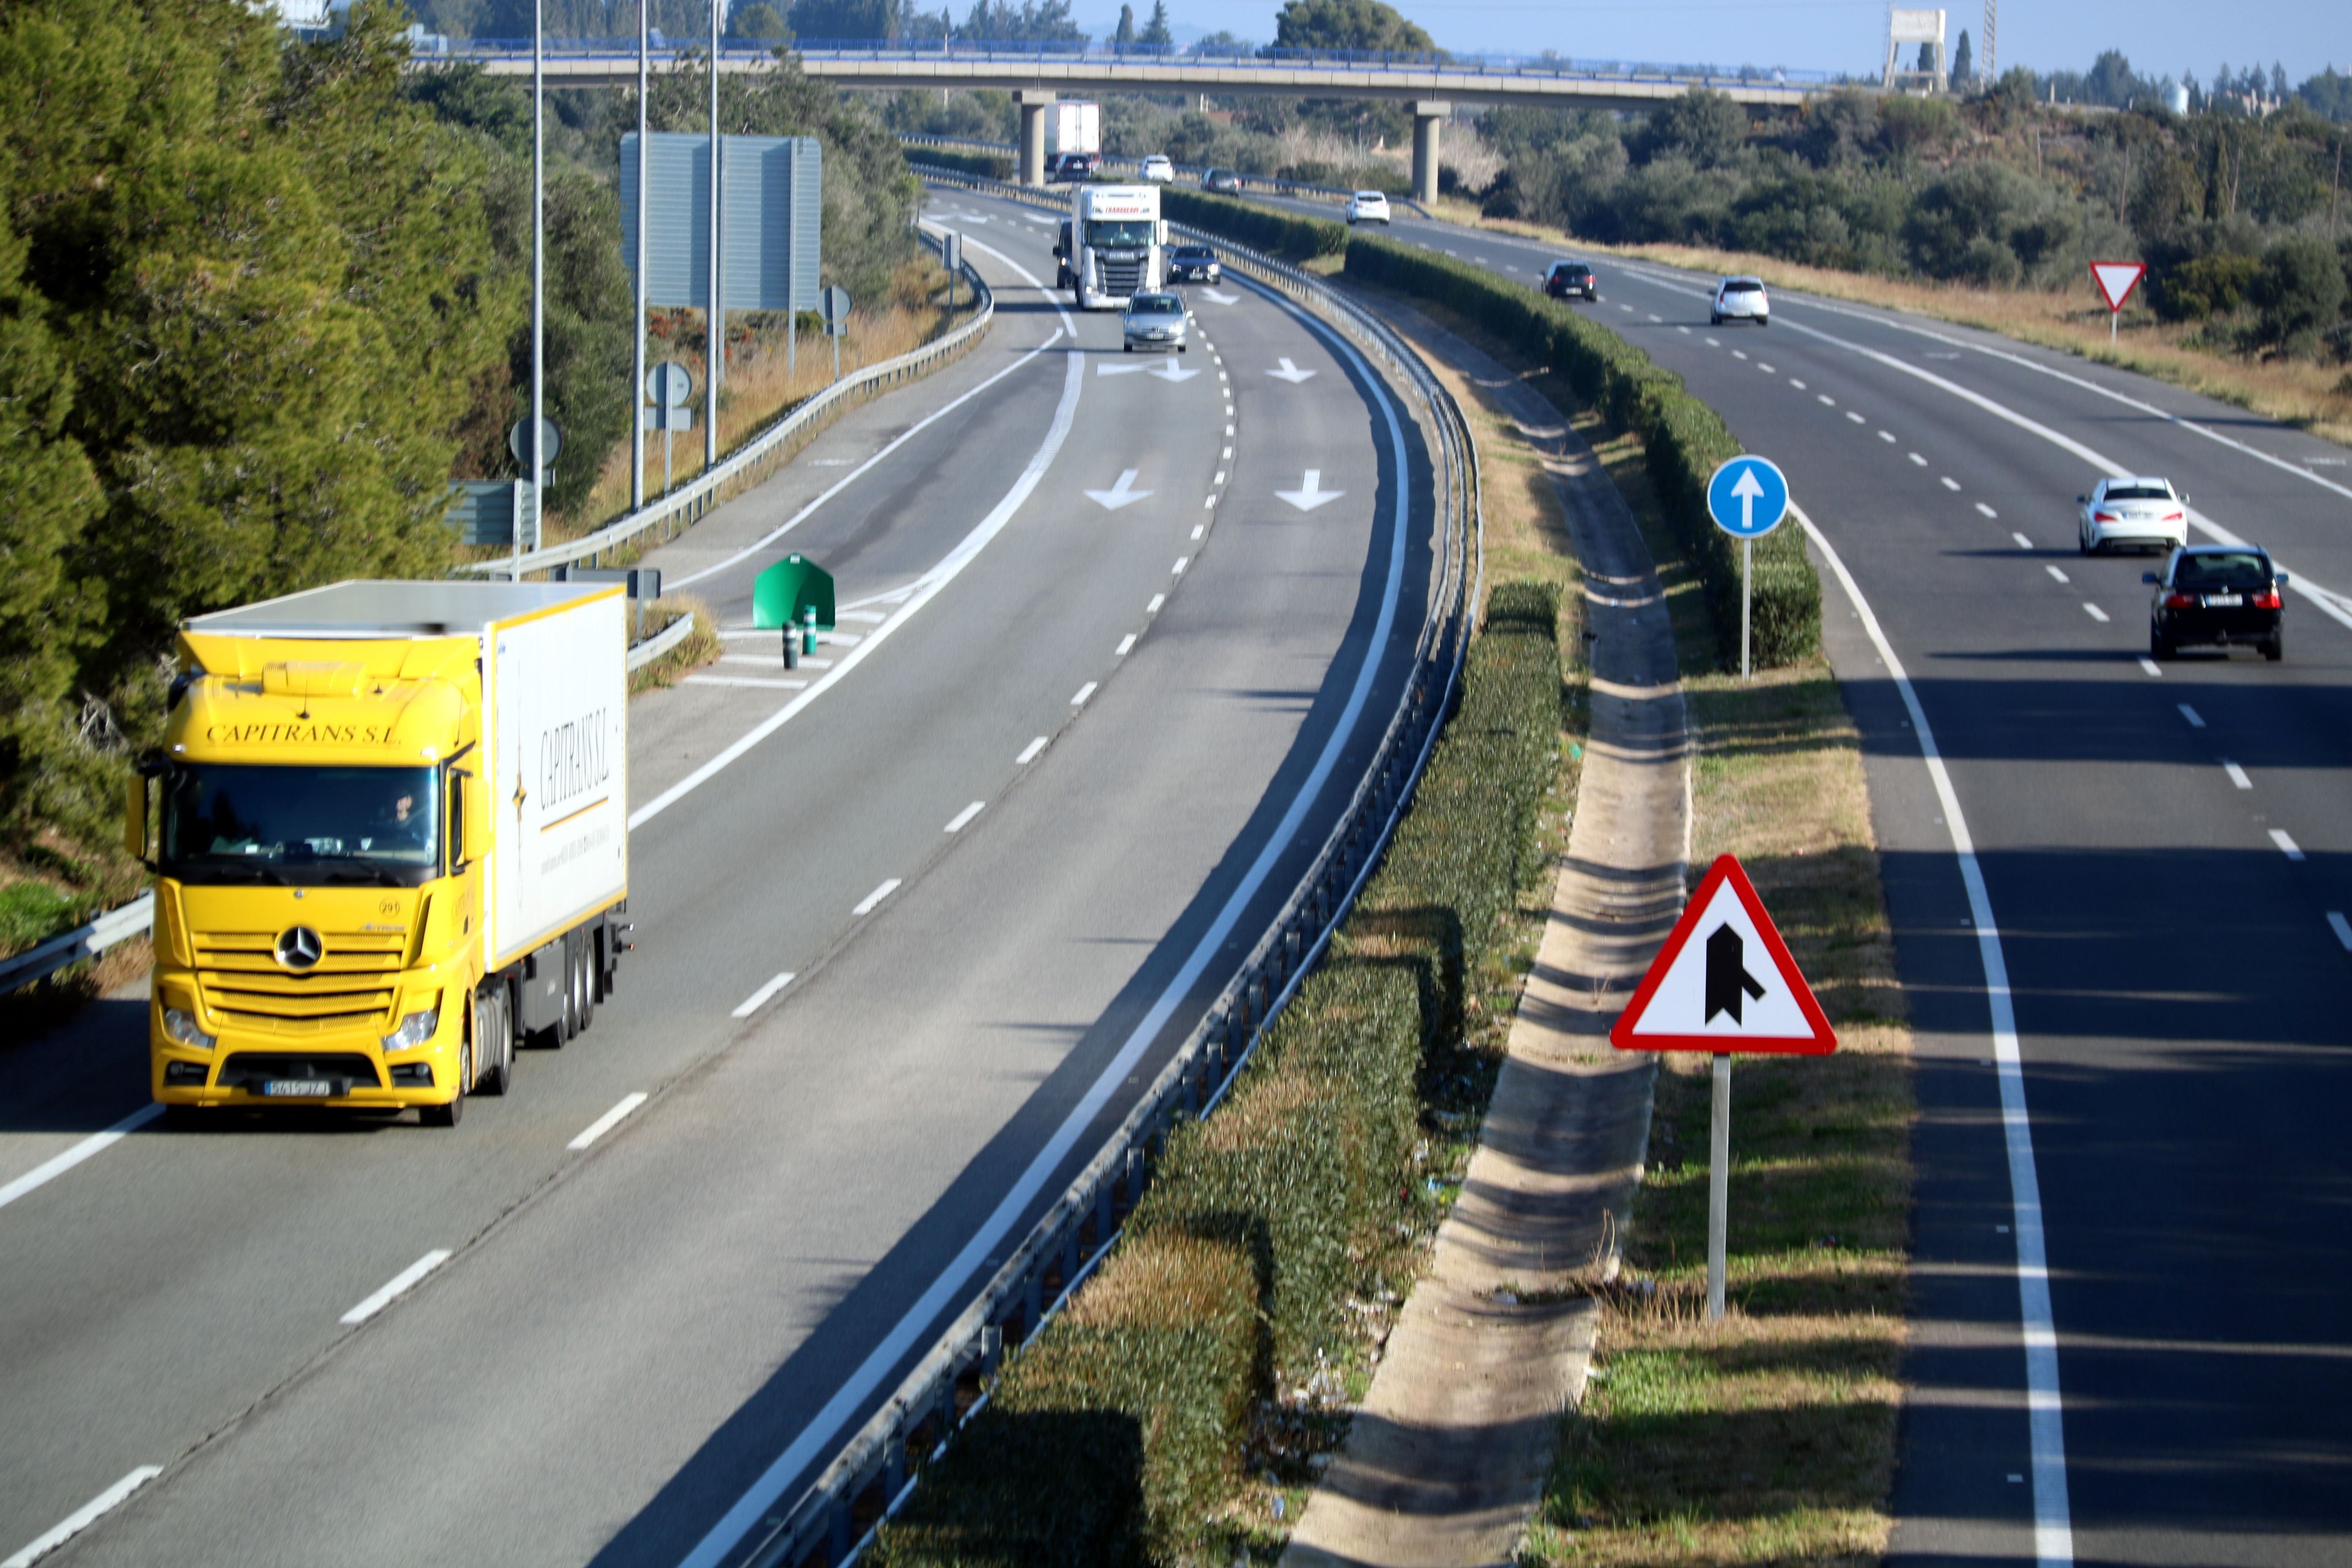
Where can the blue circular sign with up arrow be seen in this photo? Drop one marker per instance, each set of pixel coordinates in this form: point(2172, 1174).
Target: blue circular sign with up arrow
point(1747, 497)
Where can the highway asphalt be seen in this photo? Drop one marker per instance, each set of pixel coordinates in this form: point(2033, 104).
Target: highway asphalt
point(1007, 842)
point(2166, 851)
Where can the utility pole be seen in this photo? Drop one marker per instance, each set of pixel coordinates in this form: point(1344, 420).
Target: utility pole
point(638, 363)
point(715, 320)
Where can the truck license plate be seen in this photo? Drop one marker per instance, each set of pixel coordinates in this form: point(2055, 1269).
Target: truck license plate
point(299, 1088)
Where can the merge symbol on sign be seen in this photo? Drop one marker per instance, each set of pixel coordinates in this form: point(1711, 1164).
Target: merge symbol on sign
point(1726, 974)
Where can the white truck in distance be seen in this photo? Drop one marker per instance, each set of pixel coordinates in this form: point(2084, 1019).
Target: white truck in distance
point(1077, 127)
point(1113, 246)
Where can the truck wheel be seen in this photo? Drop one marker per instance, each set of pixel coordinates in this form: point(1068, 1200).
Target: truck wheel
point(497, 1040)
point(448, 1115)
point(567, 1023)
point(587, 1008)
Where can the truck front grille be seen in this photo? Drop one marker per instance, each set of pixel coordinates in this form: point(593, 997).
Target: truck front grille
point(354, 982)
point(1122, 280)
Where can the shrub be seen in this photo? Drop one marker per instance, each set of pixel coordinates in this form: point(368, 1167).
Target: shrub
point(987, 166)
point(2299, 290)
point(2200, 286)
point(1280, 234)
point(1684, 439)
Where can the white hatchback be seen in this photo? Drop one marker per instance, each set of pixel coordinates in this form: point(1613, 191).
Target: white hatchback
point(1368, 207)
point(2147, 512)
point(1740, 299)
point(1157, 167)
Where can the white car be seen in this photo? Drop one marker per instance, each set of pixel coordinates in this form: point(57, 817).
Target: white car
point(1740, 299)
point(1157, 167)
point(2145, 512)
point(1368, 207)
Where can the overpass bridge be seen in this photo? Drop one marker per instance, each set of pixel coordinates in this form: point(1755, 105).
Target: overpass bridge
point(1038, 74)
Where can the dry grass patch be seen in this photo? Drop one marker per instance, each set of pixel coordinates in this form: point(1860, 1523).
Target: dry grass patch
point(701, 646)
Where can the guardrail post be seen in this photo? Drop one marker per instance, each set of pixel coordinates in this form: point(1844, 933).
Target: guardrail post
point(992, 1350)
point(1105, 1212)
point(836, 1530)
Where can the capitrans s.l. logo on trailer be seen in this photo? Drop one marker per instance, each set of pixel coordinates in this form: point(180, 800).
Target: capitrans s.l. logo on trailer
point(1724, 981)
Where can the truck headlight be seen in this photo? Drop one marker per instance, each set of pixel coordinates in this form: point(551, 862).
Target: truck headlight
point(180, 1028)
point(414, 1030)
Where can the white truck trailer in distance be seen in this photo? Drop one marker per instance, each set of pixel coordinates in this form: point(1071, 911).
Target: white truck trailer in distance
point(1077, 128)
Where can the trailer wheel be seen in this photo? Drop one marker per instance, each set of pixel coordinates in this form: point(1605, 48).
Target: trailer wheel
point(586, 1007)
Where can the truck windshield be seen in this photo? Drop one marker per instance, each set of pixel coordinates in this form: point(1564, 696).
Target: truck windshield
point(304, 825)
point(1120, 234)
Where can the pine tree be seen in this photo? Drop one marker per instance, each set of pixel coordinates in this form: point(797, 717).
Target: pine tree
point(1157, 34)
point(1125, 36)
point(1964, 60)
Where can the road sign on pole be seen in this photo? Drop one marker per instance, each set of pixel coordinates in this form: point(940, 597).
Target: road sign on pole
point(1724, 981)
point(833, 308)
point(1747, 497)
point(2115, 281)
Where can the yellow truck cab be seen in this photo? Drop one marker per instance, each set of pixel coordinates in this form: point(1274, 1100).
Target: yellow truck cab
point(390, 832)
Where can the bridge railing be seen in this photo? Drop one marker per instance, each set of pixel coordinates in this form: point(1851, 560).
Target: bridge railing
point(1095, 53)
point(870, 1476)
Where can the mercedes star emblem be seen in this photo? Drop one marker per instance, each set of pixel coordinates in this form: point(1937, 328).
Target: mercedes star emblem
point(299, 947)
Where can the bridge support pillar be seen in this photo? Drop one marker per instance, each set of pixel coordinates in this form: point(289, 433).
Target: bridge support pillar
point(1427, 116)
point(1034, 104)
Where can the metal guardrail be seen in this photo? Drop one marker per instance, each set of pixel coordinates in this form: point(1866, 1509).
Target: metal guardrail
point(871, 1476)
point(689, 502)
point(1265, 183)
point(38, 963)
point(661, 642)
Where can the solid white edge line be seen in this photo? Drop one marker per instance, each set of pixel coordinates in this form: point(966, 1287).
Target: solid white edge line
point(1029, 753)
point(865, 905)
point(82, 1518)
point(397, 1285)
point(2341, 927)
point(933, 582)
point(962, 819)
point(610, 1119)
point(2054, 1530)
point(56, 1165)
point(860, 1384)
point(759, 999)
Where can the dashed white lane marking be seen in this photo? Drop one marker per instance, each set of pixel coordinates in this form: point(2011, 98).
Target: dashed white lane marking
point(1917, 458)
point(962, 819)
point(1181, 562)
point(1029, 753)
point(866, 904)
point(2022, 542)
point(2237, 775)
point(1126, 647)
point(2054, 571)
point(1985, 510)
point(399, 1285)
point(1083, 693)
point(2196, 719)
point(763, 995)
point(1229, 430)
point(1199, 529)
point(1795, 383)
point(1711, 343)
point(1825, 399)
point(2095, 613)
point(82, 1518)
point(1226, 455)
point(1740, 354)
point(1220, 477)
point(2152, 667)
point(1856, 417)
point(611, 1118)
point(2286, 845)
point(1948, 482)
point(1157, 600)
point(1659, 319)
point(1886, 435)
point(2341, 927)
point(1685, 332)
point(1629, 310)
point(97, 1142)
point(1207, 503)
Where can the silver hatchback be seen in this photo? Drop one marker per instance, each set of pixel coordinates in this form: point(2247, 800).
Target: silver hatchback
point(1154, 322)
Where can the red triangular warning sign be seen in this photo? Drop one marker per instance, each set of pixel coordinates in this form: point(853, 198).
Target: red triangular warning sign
point(2116, 280)
point(1724, 981)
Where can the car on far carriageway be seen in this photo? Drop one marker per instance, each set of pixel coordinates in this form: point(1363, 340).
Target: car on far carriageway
point(1572, 280)
point(1740, 299)
point(1154, 322)
point(1194, 264)
point(2147, 512)
point(2217, 595)
point(1158, 168)
point(1221, 183)
point(1368, 207)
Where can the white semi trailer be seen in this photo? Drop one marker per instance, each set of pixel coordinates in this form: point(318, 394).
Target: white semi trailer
point(1113, 247)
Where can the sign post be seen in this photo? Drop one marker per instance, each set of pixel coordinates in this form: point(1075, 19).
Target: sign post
point(1724, 981)
point(832, 305)
point(2116, 280)
point(669, 387)
point(1747, 497)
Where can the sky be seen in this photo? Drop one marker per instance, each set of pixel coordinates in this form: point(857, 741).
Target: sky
point(2163, 37)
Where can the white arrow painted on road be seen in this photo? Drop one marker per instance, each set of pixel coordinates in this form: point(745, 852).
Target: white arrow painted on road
point(1119, 494)
point(1169, 372)
point(1114, 368)
point(1221, 298)
point(1309, 493)
point(1749, 492)
point(1289, 371)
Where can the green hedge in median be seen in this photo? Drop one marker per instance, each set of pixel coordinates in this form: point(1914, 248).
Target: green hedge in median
point(1269, 229)
point(1113, 1438)
point(987, 166)
point(1684, 440)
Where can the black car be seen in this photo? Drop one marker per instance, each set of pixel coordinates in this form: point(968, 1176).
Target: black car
point(1572, 280)
point(1222, 181)
point(2217, 595)
point(1194, 264)
point(1077, 167)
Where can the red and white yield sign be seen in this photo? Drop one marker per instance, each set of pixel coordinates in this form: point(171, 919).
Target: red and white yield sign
point(2116, 280)
point(1724, 981)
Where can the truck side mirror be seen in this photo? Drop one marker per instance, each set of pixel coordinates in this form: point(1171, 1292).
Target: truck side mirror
point(457, 777)
point(134, 820)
